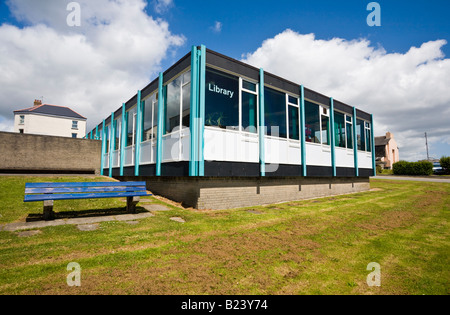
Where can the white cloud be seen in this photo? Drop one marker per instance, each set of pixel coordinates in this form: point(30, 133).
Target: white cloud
point(407, 93)
point(92, 68)
point(162, 6)
point(5, 126)
point(217, 28)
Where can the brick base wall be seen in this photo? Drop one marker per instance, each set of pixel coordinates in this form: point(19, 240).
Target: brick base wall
point(228, 193)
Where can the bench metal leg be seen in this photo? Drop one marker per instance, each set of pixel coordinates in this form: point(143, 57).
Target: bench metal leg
point(131, 204)
point(48, 210)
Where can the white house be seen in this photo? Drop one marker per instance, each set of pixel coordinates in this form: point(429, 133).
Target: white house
point(387, 151)
point(50, 120)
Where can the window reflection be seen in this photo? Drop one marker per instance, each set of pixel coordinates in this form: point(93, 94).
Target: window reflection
point(177, 101)
point(293, 123)
point(131, 127)
point(222, 100)
point(339, 129)
point(275, 113)
point(312, 125)
point(249, 112)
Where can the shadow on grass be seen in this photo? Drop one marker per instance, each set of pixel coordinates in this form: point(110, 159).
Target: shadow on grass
point(34, 217)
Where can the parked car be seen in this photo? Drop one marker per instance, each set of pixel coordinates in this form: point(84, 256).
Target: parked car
point(437, 169)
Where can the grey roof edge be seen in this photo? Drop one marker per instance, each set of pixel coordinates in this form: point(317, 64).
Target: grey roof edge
point(50, 115)
point(362, 114)
point(64, 111)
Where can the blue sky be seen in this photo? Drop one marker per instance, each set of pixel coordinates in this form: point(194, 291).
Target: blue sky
point(102, 64)
point(245, 24)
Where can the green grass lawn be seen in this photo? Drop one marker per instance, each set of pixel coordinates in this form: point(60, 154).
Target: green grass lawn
point(320, 246)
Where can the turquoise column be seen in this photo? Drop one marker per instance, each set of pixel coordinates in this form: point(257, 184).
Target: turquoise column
point(333, 135)
point(123, 134)
point(112, 140)
point(374, 164)
point(302, 129)
point(137, 148)
point(262, 124)
point(159, 144)
point(102, 164)
point(355, 143)
point(201, 120)
point(96, 133)
point(193, 159)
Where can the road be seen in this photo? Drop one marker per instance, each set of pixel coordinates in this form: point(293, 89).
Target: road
point(417, 179)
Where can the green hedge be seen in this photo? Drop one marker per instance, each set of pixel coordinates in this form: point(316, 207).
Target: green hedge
point(413, 168)
point(445, 163)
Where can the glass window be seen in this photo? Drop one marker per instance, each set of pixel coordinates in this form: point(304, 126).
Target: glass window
point(275, 113)
point(148, 118)
point(118, 127)
point(172, 108)
point(186, 77)
point(22, 119)
point(178, 102)
point(107, 138)
point(325, 130)
point(74, 124)
point(312, 124)
point(293, 100)
point(249, 86)
point(155, 118)
point(249, 112)
point(360, 135)
point(186, 106)
point(222, 100)
point(74, 135)
point(293, 123)
point(349, 131)
point(131, 127)
point(368, 138)
point(339, 129)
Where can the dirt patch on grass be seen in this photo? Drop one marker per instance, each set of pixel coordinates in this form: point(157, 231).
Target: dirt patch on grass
point(390, 220)
point(432, 199)
point(215, 214)
point(230, 264)
point(275, 207)
point(252, 260)
point(403, 218)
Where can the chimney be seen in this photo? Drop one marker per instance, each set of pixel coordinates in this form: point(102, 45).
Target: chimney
point(389, 135)
point(37, 102)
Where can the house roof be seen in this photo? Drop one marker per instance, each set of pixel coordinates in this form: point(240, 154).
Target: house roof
point(52, 110)
point(381, 141)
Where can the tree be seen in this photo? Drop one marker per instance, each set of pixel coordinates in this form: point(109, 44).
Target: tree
point(445, 163)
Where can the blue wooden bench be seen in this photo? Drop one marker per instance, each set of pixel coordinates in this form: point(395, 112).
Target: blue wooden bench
point(49, 192)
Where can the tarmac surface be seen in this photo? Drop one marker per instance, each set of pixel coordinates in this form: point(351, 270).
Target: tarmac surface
point(416, 179)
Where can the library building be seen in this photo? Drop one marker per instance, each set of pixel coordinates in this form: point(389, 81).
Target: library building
point(212, 132)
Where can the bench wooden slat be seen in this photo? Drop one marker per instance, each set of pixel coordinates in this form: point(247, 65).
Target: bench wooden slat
point(33, 198)
point(86, 184)
point(82, 190)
